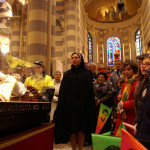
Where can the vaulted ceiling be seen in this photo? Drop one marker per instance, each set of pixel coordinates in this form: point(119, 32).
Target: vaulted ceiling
point(97, 9)
point(87, 2)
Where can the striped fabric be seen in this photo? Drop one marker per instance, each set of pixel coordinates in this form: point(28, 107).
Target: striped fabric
point(127, 89)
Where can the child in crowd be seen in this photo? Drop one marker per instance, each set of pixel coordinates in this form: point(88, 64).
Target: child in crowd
point(126, 112)
point(117, 99)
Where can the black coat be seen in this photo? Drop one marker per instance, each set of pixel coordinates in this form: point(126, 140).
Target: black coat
point(143, 118)
point(76, 108)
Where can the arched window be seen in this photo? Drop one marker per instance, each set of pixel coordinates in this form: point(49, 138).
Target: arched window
point(90, 48)
point(113, 45)
point(138, 43)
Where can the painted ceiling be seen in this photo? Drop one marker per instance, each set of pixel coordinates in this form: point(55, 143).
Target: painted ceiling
point(112, 10)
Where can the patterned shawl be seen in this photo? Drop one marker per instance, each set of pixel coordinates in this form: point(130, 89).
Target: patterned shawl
point(127, 89)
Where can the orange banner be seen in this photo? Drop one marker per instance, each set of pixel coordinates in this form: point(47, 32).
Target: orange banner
point(104, 113)
point(129, 142)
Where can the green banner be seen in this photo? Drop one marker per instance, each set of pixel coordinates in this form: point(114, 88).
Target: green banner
point(119, 129)
point(104, 142)
point(107, 133)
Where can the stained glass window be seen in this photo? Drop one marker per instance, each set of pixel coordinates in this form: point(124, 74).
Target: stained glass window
point(90, 47)
point(138, 43)
point(113, 45)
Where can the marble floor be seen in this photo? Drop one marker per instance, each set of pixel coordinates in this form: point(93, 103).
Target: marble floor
point(68, 147)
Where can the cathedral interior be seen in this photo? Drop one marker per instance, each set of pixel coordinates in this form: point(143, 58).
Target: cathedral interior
point(51, 30)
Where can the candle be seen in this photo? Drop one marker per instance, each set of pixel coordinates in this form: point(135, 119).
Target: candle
point(97, 53)
point(123, 53)
point(130, 50)
point(103, 52)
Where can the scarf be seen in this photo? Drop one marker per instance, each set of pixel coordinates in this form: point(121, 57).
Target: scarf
point(127, 89)
point(102, 89)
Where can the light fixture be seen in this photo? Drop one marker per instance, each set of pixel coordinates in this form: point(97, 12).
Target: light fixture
point(23, 2)
point(5, 43)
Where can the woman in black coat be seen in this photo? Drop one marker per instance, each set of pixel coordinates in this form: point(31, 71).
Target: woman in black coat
point(142, 105)
point(76, 109)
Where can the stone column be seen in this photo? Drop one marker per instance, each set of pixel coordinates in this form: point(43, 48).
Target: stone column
point(15, 36)
point(53, 33)
point(24, 33)
point(37, 30)
point(70, 30)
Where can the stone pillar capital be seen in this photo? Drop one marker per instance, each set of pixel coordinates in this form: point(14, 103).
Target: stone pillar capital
point(69, 1)
point(15, 20)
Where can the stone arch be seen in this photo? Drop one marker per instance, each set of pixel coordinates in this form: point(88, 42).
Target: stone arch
point(59, 36)
point(59, 49)
point(60, 19)
point(6, 12)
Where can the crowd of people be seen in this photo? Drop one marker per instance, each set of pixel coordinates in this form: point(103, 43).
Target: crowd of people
point(76, 99)
point(126, 92)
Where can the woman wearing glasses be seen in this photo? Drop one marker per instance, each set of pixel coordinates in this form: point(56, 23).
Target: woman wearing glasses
point(142, 105)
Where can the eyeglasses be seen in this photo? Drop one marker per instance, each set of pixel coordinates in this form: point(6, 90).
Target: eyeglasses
point(145, 64)
point(57, 74)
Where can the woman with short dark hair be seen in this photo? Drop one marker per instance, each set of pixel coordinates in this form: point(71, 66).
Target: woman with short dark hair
point(103, 94)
